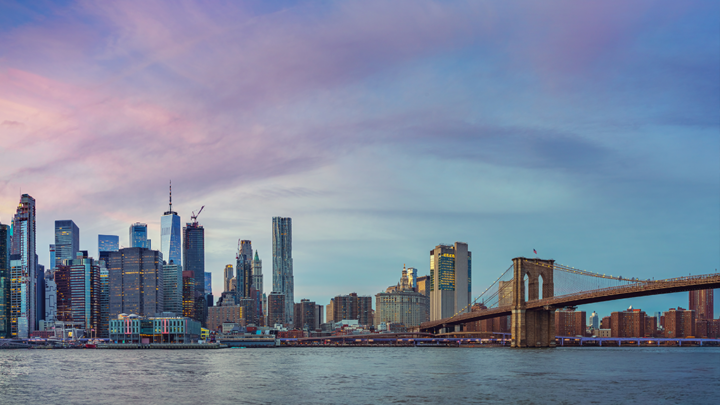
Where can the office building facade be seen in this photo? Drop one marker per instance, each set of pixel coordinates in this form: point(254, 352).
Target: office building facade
point(5, 282)
point(276, 309)
point(569, 323)
point(243, 269)
point(139, 236)
point(173, 289)
point(194, 254)
point(408, 308)
point(23, 265)
point(306, 315)
point(108, 243)
point(228, 276)
point(702, 302)
point(283, 280)
point(170, 232)
point(78, 291)
point(352, 307)
point(136, 282)
point(450, 280)
point(67, 241)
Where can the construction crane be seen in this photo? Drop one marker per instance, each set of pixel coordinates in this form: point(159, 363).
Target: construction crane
point(194, 216)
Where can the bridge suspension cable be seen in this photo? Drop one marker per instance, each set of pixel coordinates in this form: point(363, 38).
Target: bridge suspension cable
point(483, 293)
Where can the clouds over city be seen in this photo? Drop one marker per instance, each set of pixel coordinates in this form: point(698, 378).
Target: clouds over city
point(363, 107)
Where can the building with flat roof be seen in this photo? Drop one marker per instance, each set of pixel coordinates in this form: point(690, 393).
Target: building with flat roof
point(569, 323)
point(276, 308)
point(352, 306)
point(78, 291)
point(159, 329)
point(218, 315)
point(5, 282)
point(108, 243)
point(67, 241)
point(139, 236)
point(407, 307)
point(23, 265)
point(702, 302)
point(173, 288)
point(679, 323)
point(450, 280)
point(136, 282)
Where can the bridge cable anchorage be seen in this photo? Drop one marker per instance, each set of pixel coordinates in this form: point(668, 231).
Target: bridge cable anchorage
point(483, 293)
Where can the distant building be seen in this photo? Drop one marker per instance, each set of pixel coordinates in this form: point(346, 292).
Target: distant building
point(194, 253)
point(450, 280)
point(283, 279)
point(139, 236)
point(188, 294)
point(679, 323)
point(170, 234)
point(276, 308)
point(605, 323)
point(67, 241)
point(408, 308)
point(594, 321)
point(329, 311)
point(569, 323)
point(499, 324)
point(108, 243)
point(423, 286)
point(136, 282)
point(306, 315)
point(319, 315)
point(53, 257)
point(227, 278)
point(630, 323)
point(39, 295)
point(23, 265)
point(208, 283)
point(173, 289)
point(702, 302)
point(353, 307)
point(78, 292)
point(243, 269)
point(412, 275)
point(103, 329)
point(218, 315)
point(257, 273)
point(5, 332)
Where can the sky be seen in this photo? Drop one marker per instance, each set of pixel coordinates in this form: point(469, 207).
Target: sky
point(589, 131)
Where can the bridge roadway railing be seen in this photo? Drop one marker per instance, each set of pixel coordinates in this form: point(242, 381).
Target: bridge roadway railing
point(646, 287)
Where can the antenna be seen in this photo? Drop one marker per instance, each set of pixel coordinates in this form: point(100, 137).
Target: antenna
point(170, 196)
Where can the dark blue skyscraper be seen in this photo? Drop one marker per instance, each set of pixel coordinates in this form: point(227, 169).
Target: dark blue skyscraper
point(170, 235)
point(67, 241)
point(138, 236)
point(4, 282)
point(194, 254)
point(108, 243)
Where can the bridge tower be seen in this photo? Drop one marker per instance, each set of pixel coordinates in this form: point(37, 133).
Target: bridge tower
point(535, 327)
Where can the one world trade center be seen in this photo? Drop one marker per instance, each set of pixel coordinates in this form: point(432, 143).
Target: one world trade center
point(170, 235)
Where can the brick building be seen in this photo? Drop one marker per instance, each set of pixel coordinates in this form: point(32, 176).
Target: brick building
point(605, 323)
point(570, 323)
point(679, 323)
point(630, 323)
point(226, 313)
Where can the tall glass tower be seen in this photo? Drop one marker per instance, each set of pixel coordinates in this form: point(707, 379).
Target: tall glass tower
point(5, 282)
point(23, 264)
point(170, 235)
point(194, 254)
point(108, 243)
point(67, 241)
point(283, 280)
point(138, 236)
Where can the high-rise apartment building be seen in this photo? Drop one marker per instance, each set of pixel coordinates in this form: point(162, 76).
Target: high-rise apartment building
point(353, 307)
point(450, 280)
point(702, 302)
point(108, 243)
point(630, 323)
point(283, 280)
point(569, 323)
point(23, 265)
point(594, 321)
point(243, 269)
point(5, 282)
point(276, 309)
point(139, 236)
point(173, 288)
point(679, 323)
point(227, 278)
point(306, 315)
point(194, 254)
point(67, 241)
point(136, 282)
point(78, 292)
point(170, 235)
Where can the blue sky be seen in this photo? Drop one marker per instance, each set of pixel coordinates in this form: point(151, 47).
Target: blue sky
point(587, 131)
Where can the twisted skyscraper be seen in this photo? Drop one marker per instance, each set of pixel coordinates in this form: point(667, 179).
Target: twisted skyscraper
point(283, 281)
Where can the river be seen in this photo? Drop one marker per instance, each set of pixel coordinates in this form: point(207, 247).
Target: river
point(361, 375)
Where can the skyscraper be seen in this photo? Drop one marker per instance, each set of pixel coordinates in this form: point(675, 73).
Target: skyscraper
point(208, 283)
point(173, 285)
point(194, 261)
point(170, 235)
point(67, 241)
point(227, 278)
point(108, 243)
point(276, 308)
point(702, 302)
point(257, 273)
point(138, 236)
point(78, 292)
point(5, 282)
point(594, 321)
point(283, 281)
point(136, 282)
point(243, 269)
point(23, 264)
point(52, 256)
point(450, 285)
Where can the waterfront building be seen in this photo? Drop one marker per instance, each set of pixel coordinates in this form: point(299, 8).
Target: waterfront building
point(679, 323)
point(104, 300)
point(594, 321)
point(170, 234)
point(306, 315)
point(408, 308)
point(155, 329)
point(108, 243)
point(702, 302)
point(227, 278)
point(139, 236)
point(630, 323)
point(217, 315)
point(23, 265)
point(353, 307)
point(78, 291)
point(450, 280)
point(136, 282)
point(569, 323)
point(173, 288)
point(283, 280)
point(276, 308)
point(5, 282)
point(194, 253)
point(67, 241)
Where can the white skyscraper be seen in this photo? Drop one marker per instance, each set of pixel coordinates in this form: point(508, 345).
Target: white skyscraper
point(170, 244)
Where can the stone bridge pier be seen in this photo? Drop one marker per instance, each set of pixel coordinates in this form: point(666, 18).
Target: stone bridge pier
point(535, 327)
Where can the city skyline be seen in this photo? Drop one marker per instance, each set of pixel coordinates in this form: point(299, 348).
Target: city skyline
point(591, 127)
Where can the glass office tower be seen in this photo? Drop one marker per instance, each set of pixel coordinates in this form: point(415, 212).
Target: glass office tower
point(170, 235)
point(67, 241)
point(138, 236)
point(4, 282)
point(23, 264)
point(108, 243)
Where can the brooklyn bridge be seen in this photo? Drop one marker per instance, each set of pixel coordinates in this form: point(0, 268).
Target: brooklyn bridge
point(535, 288)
